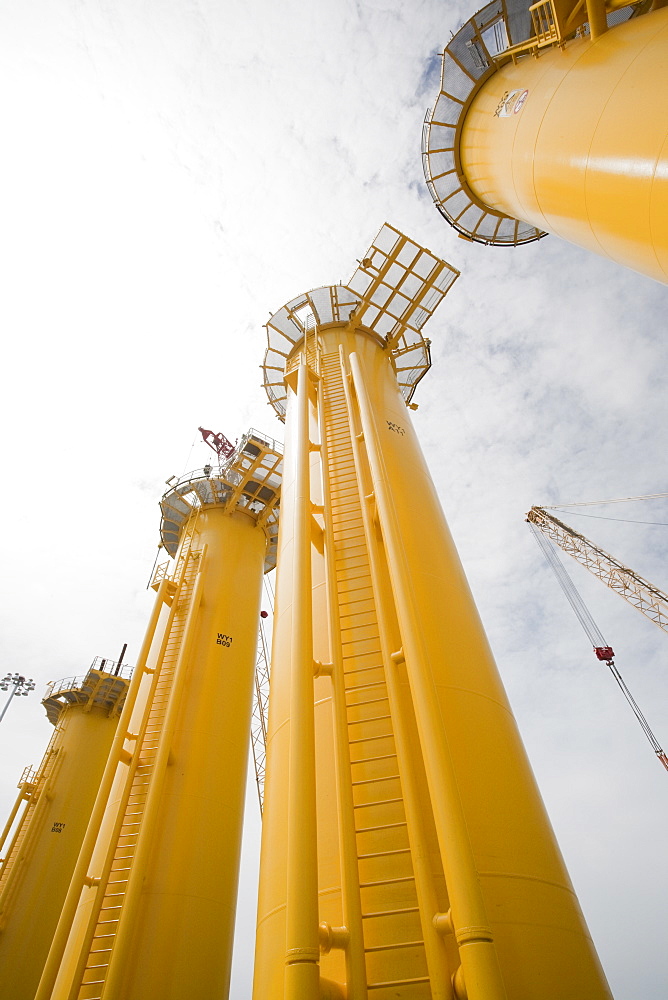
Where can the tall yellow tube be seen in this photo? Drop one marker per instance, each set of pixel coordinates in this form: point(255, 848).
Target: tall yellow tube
point(289, 804)
point(50, 831)
point(117, 750)
point(180, 898)
point(152, 912)
point(583, 151)
point(472, 929)
point(408, 756)
point(462, 891)
point(121, 978)
point(302, 948)
point(463, 714)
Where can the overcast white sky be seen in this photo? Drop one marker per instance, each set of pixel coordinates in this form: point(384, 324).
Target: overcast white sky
point(172, 173)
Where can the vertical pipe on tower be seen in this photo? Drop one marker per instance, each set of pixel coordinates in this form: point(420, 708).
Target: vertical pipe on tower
point(480, 964)
point(440, 973)
point(152, 810)
point(61, 934)
point(356, 979)
point(302, 945)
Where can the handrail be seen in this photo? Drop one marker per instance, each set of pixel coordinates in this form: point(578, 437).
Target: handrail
point(54, 688)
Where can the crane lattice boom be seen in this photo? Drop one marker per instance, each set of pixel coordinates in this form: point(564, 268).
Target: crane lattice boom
point(644, 596)
point(260, 711)
point(602, 650)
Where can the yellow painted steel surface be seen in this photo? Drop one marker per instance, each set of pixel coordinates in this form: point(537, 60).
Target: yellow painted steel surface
point(435, 857)
point(42, 857)
point(585, 156)
point(156, 911)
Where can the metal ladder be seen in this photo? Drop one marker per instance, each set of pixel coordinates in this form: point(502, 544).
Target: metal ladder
point(99, 955)
point(27, 829)
point(393, 941)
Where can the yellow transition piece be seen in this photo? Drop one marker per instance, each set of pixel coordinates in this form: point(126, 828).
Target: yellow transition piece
point(151, 908)
point(54, 806)
point(405, 845)
point(583, 153)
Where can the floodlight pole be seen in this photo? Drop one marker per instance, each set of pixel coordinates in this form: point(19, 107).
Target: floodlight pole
point(20, 685)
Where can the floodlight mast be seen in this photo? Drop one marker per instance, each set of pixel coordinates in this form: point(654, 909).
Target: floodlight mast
point(404, 841)
point(551, 118)
point(17, 685)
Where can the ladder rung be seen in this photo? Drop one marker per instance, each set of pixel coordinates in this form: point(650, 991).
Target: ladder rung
point(350, 527)
point(360, 670)
point(352, 601)
point(387, 881)
point(342, 465)
point(372, 781)
point(346, 504)
point(381, 802)
point(350, 553)
point(382, 826)
point(398, 944)
point(376, 718)
point(350, 597)
point(389, 913)
point(384, 854)
point(368, 760)
point(349, 530)
point(343, 491)
point(397, 982)
point(370, 701)
point(367, 739)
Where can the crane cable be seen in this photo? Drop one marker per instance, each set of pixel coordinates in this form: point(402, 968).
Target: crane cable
point(596, 503)
point(601, 649)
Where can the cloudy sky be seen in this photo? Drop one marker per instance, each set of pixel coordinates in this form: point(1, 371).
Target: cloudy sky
point(172, 173)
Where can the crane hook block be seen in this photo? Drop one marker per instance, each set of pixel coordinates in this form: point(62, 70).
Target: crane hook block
point(604, 653)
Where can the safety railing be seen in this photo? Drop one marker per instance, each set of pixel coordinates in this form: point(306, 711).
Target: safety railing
point(545, 24)
point(101, 664)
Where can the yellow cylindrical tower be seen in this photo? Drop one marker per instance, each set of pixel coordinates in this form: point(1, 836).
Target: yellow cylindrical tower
point(438, 875)
point(565, 131)
point(151, 910)
point(55, 803)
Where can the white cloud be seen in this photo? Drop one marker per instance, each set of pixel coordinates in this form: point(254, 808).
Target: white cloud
point(172, 174)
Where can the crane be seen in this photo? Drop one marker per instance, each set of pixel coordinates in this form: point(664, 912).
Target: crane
point(641, 594)
point(602, 649)
point(218, 443)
